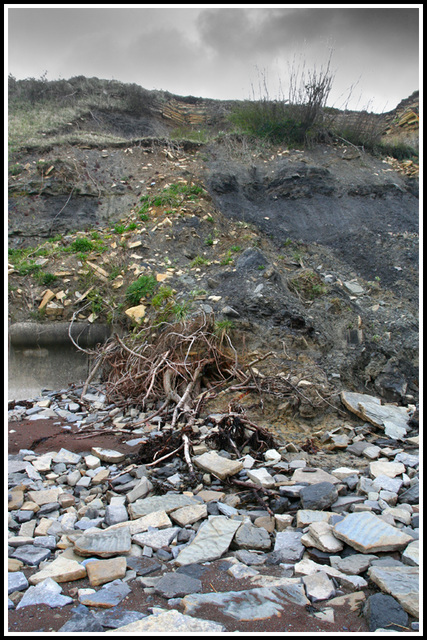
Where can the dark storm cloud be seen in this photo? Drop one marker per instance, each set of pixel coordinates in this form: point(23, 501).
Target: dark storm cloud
point(218, 52)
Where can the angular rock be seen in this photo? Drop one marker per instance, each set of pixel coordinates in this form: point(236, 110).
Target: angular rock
point(383, 611)
point(390, 469)
point(367, 533)
point(400, 582)
point(288, 544)
point(212, 540)
point(44, 496)
point(66, 456)
point(312, 476)
point(248, 536)
point(140, 490)
point(217, 465)
point(323, 536)
point(16, 581)
point(307, 516)
point(318, 496)
point(46, 592)
point(112, 542)
point(352, 565)
point(31, 555)
point(108, 455)
point(261, 477)
point(411, 555)
point(318, 586)
point(116, 513)
point(82, 620)
point(394, 420)
point(167, 503)
point(156, 539)
point(177, 585)
point(259, 603)
point(170, 622)
point(108, 596)
point(60, 570)
point(188, 515)
point(102, 571)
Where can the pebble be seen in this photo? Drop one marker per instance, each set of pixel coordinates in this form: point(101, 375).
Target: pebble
point(326, 529)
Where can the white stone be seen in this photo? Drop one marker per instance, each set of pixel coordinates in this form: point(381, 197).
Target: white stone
point(261, 477)
point(217, 465)
point(108, 455)
point(66, 456)
point(318, 586)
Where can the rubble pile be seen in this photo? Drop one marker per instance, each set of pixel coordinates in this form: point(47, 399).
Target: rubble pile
point(291, 531)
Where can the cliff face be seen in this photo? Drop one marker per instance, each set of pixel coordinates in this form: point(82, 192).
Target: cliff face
point(313, 248)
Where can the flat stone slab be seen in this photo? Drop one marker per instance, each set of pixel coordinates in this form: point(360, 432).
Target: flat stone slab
point(190, 514)
point(170, 622)
point(177, 585)
point(156, 539)
point(44, 496)
point(318, 586)
point(105, 544)
point(31, 555)
point(367, 533)
point(394, 420)
point(313, 476)
point(16, 581)
point(108, 596)
point(400, 582)
point(212, 540)
point(167, 503)
point(60, 570)
point(108, 455)
point(252, 604)
point(103, 571)
point(289, 545)
point(66, 456)
point(217, 465)
point(46, 592)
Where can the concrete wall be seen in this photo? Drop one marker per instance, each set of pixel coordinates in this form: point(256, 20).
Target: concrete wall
point(43, 356)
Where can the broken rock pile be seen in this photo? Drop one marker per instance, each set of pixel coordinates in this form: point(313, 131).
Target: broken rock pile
point(293, 532)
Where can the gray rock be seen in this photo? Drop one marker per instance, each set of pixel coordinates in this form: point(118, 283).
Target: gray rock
point(82, 620)
point(177, 585)
point(115, 619)
point(16, 581)
point(46, 592)
point(212, 540)
point(250, 537)
point(157, 538)
point(109, 595)
point(115, 513)
point(250, 558)
point(318, 586)
point(383, 611)
point(288, 544)
point(318, 496)
point(167, 503)
point(400, 582)
point(352, 565)
point(104, 543)
point(31, 555)
point(259, 603)
point(170, 622)
point(367, 533)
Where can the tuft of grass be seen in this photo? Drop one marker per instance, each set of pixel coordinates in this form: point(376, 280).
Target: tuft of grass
point(199, 261)
point(143, 287)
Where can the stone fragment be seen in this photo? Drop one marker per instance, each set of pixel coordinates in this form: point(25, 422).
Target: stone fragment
point(105, 544)
point(188, 515)
point(394, 420)
point(311, 476)
point(16, 581)
point(46, 592)
point(212, 540)
point(250, 605)
point(156, 539)
point(167, 503)
point(108, 596)
point(108, 455)
point(170, 622)
point(140, 490)
point(61, 569)
point(354, 564)
point(288, 544)
point(367, 533)
point(383, 611)
point(115, 513)
point(91, 461)
point(82, 620)
point(400, 582)
point(318, 496)
point(248, 536)
point(318, 586)
point(66, 456)
point(177, 585)
point(102, 571)
point(323, 536)
point(136, 313)
point(261, 477)
point(208, 495)
point(307, 516)
point(389, 469)
point(411, 555)
point(44, 496)
point(352, 601)
point(282, 521)
point(240, 571)
point(217, 465)
point(28, 554)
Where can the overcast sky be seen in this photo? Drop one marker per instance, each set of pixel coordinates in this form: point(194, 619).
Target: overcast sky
point(223, 52)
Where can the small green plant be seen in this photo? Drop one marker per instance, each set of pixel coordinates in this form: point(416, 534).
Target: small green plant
point(96, 300)
point(81, 245)
point(143, 287)
point(163, 294)
point(199, 261)
point(307, 284)
point(235, 248)
point(131, 227)
point(144, 216)
point(209, 240)
point(45, 278)
point(119, 228)
point(16, 169)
